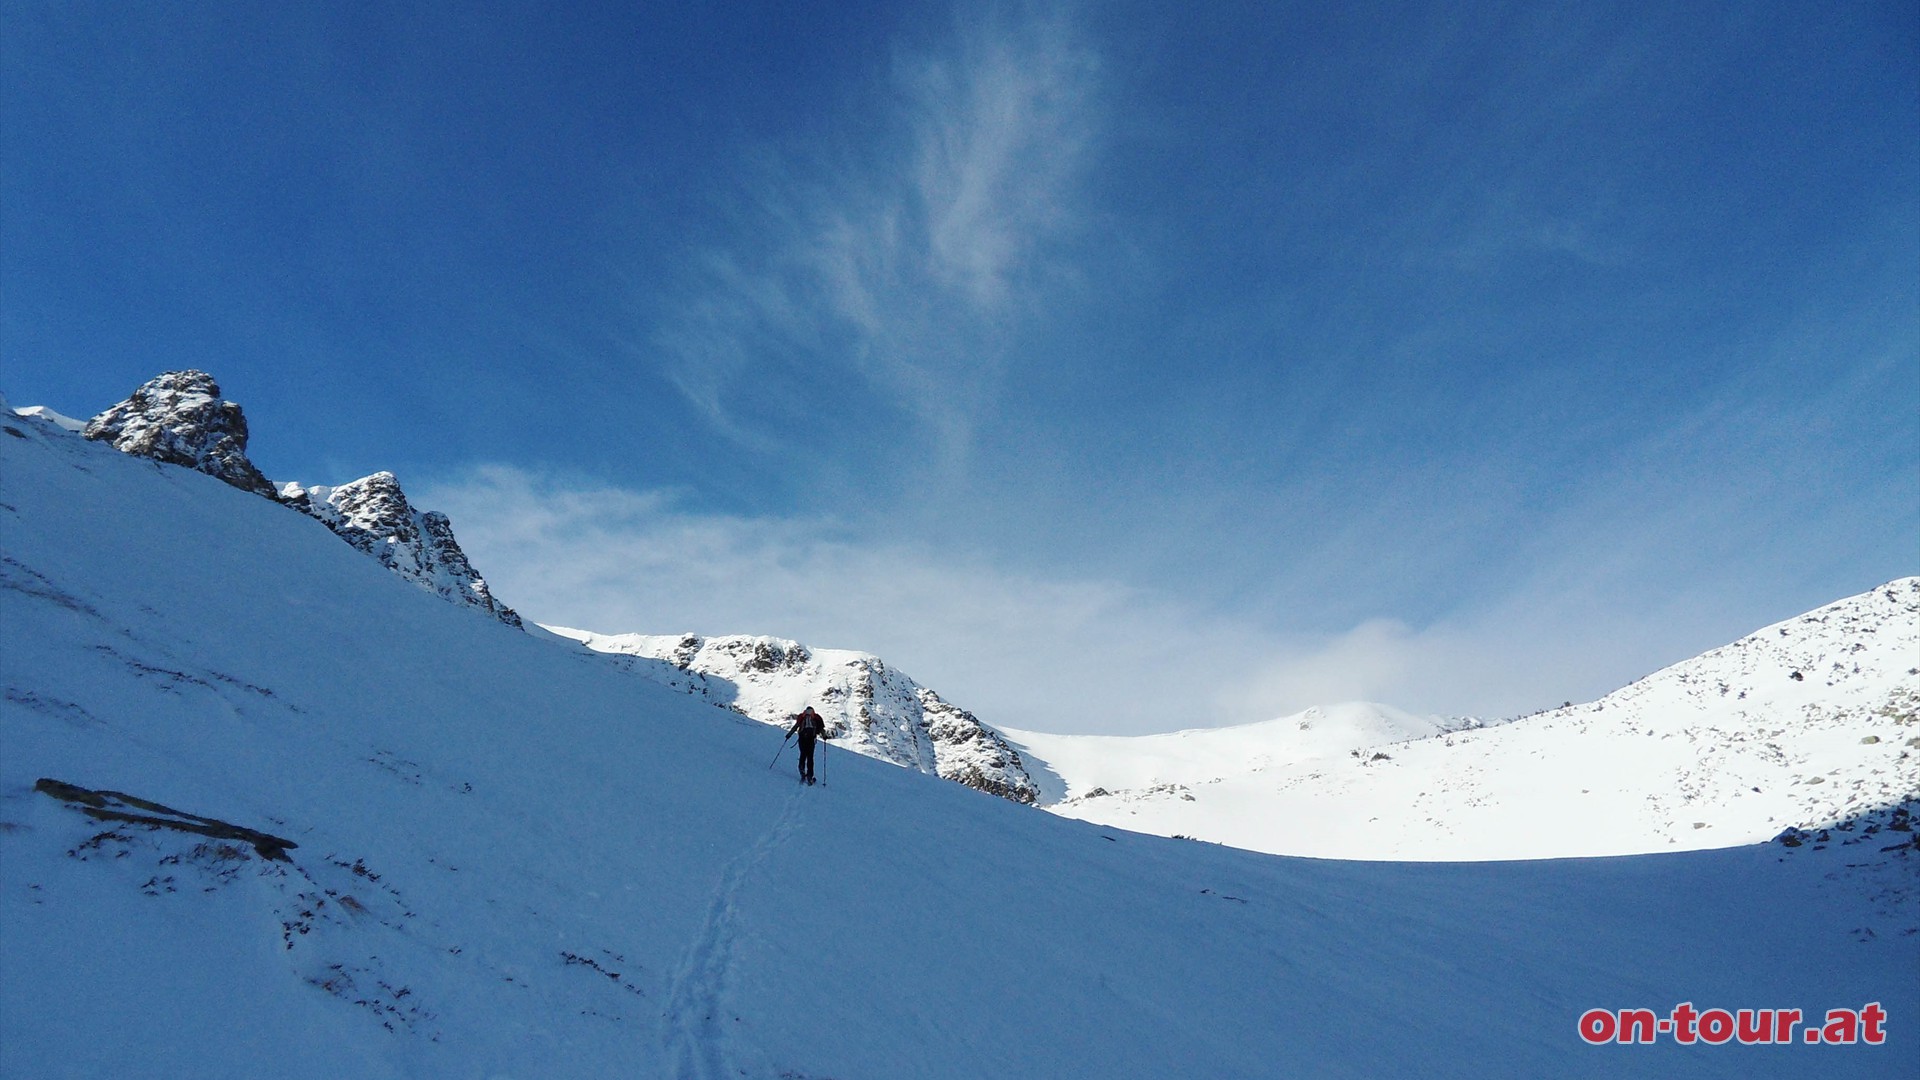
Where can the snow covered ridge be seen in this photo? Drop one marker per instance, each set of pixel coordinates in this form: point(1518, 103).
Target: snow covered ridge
point(869, 707)
point(179, 418)
point(1807, 723)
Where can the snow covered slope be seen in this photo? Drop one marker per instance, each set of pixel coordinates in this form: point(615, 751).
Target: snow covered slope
point(179, 418)
point(1804, 723)
point(869, 707)
point(513, 860)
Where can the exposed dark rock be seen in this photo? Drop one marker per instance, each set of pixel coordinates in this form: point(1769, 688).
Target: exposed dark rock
point(971, 753)
point(179, 418)
point(118, 806)
point(1897, 818)
point(762, 655)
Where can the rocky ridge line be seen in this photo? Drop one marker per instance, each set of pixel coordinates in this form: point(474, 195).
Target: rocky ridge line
point(374, 516)
point(179, 418)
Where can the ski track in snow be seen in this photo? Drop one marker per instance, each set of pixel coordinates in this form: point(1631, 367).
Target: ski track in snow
point(698, 1046)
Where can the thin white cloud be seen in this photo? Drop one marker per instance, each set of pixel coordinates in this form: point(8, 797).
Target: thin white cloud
point(903, 262)
point(1000, 133)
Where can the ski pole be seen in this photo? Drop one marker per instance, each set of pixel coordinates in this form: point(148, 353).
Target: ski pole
point(782, 750)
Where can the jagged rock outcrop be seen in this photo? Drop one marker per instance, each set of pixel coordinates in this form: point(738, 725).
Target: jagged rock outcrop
point(869, 707)
point(969, 752)
point(373, 515)
point(179, 418)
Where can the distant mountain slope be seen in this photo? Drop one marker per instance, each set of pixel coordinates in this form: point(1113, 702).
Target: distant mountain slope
point(1807, 722)
point(41, 412)
point(869, 707)
point(513, 860)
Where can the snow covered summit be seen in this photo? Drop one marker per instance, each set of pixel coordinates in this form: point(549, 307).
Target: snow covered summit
point(1083, 767)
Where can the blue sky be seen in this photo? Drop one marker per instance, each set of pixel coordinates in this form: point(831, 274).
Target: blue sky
point(1118, 367)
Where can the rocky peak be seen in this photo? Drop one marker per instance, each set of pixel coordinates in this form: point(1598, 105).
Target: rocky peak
point(373, 514)
point(179, 418)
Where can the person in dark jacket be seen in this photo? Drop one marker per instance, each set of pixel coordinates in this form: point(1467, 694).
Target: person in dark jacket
point(809, 725)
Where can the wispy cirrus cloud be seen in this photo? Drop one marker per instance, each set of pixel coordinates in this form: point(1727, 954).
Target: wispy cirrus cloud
point(899, 261)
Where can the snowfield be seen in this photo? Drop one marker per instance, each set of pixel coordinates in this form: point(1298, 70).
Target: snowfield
point(515, 859)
